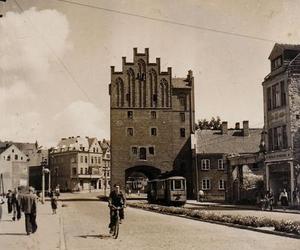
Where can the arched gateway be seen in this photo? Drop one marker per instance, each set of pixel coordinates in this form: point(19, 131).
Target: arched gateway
point(136, 177)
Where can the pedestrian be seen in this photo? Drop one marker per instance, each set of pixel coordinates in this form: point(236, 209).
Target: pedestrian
point(53, 204)
point(16, 208)
point(29, 207)
point(201, 195)
point(283, 198)
point(271, 200)
point(9, 201)
point(57, 191)
point(1, 203)
point(296, 196)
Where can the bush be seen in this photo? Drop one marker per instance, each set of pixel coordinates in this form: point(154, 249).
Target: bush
point(250, 221)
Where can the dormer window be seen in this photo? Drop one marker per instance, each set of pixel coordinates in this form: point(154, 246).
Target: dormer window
point(277, 62)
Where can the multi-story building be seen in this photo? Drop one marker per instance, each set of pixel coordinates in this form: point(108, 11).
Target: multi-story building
point(281, 89)
point(75, 164)
point(13, 167)
point(152, 118)
point(228, 162)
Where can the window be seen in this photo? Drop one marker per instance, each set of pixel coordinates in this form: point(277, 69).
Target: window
point(177, 185)
point(277, 62)
point(205, 164)
point(283, 94)
point(153, 114)
point(151, 150)
point(143, 154)
point(129, 131)
point(86, 171)
point(81, 170)
point(182, 101)
point(153, 132)
point(130, 115)
point(206, 184)
point(12, 150)
point(182, 132)
point(74, 171)
point(220, 164)
point(85, 159)
point(222, 184)
point(182, 117)
point(155, 98)
point(21, 158)
point(269, 98)
point(134, 150)
point(92, 159)
point(81, 159)
point(276, 95)
point(8, 158)
point(16, 157)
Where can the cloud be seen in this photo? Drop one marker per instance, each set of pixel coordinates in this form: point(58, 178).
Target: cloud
point(30, 45)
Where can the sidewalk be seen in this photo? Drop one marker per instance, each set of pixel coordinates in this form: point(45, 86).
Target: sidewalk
point(13, 235)
point(239, 207)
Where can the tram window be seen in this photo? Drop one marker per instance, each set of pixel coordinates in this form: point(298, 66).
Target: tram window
point(177, 184)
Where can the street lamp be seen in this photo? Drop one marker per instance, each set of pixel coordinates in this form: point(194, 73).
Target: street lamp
point(44, 171)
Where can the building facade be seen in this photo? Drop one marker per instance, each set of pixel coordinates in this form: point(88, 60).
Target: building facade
point(228, 163)
point(152, 118)
point(281, 90)
point(13, 167)
point(75, 164)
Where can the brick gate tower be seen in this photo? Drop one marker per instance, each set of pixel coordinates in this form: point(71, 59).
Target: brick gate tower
point(151, 122)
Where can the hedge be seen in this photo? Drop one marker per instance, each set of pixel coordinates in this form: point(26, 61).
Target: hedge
point(250, 221)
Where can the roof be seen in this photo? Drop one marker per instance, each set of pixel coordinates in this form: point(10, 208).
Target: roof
point(73, 142)
point(180, 83)
point(280, 47)
point(212, 141)
point(25, 147)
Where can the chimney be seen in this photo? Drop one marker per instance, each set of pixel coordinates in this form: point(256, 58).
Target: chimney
point(246, 128)
point(237, 126)
point(224, 128)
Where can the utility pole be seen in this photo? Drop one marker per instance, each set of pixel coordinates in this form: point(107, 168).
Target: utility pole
point(44, 171)
point(197, 175)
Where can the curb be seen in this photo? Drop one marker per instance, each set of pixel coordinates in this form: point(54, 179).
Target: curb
point(62, 240)
point(260, 230)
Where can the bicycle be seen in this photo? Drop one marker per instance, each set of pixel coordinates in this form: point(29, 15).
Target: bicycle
point(115, 221)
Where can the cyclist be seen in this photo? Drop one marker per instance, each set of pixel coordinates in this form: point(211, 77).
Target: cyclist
point(116, 199)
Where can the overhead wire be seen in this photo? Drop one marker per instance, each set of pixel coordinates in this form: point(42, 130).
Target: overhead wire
point(193, 26)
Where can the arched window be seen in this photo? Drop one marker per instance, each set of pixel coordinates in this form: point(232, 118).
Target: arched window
point(142, 83)
point(164, 86)
point(130, 96)
point(120, 92)
point(162, 94)
point(153, 88)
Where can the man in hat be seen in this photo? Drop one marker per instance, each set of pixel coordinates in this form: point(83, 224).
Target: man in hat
point(28, 205)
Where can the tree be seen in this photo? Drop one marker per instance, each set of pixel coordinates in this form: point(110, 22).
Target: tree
point(213, 124)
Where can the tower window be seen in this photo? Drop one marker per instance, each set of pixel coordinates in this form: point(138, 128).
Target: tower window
point(182, 117)
point(182, 132)
point(153, 114)
point(134, 150)
point(153, 132)
point(151, 150)
point(130, 115)
point(143, 154)
point(129, 131)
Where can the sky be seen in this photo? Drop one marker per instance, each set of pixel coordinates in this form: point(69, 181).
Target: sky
point(55, 58)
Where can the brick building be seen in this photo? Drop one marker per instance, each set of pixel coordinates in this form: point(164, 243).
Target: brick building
point(281, 89)
point(226, 160)
point(75, 164)
point(152, 118)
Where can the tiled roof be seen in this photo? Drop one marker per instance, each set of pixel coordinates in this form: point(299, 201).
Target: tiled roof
point(281, 47)
point(212, 141)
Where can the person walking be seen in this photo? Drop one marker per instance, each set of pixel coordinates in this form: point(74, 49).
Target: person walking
point(28, 205)
point(16, 208)
point(283, 198)
point(9, 201)
point(1, 203)
point(53, 204)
